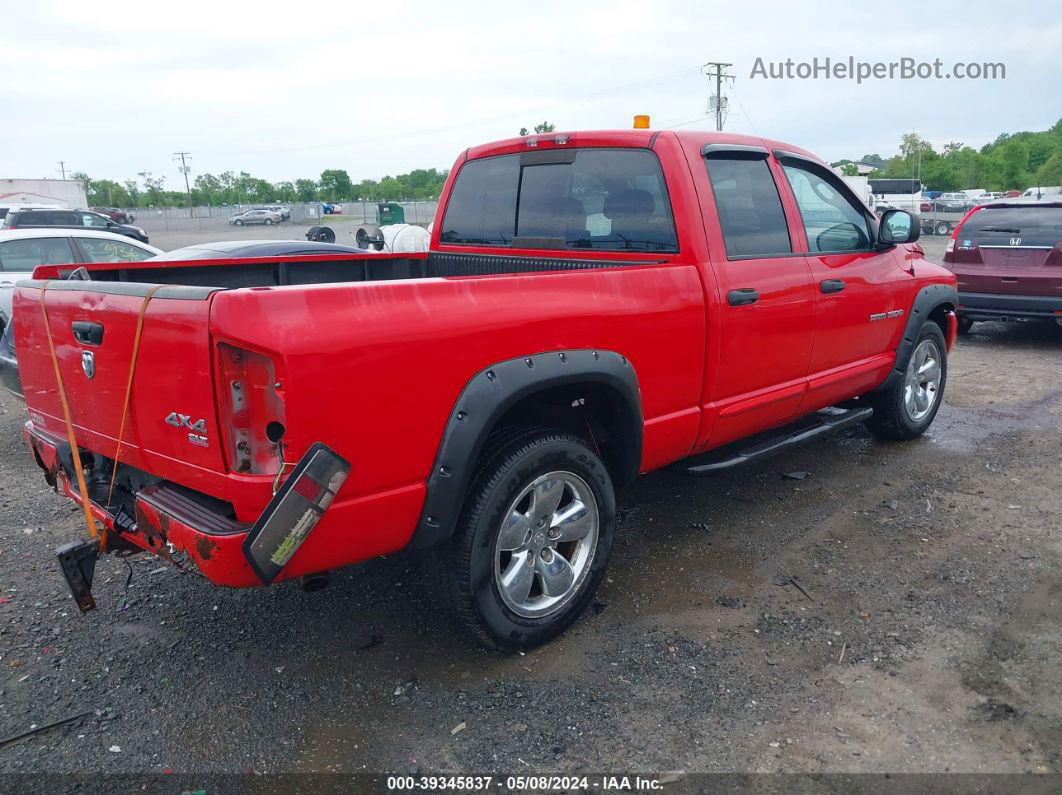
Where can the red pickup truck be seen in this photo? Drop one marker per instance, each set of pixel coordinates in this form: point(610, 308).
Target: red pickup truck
point(594, 305)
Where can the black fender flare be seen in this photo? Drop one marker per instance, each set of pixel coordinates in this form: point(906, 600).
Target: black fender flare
point(925, 301)
point(483, 401)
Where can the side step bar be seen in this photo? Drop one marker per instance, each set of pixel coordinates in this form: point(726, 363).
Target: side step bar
point(768, 443)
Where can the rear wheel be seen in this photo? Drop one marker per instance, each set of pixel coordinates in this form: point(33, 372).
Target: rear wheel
point(268, 221)
point(942, 228)
point(532, 542)
point(965, 324)
point(906, 409)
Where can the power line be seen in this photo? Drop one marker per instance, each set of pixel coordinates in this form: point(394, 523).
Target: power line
point(717, 69)
point(184, 168)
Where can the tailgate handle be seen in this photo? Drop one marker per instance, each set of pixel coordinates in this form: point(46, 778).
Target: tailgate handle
point(87, 332)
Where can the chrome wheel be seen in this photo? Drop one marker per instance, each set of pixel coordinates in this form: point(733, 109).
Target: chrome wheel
point(922, 382)
point(546, 544)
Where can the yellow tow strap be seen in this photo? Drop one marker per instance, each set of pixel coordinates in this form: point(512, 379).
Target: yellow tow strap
point(74, 452)
point(129, 384)
point(82, 487)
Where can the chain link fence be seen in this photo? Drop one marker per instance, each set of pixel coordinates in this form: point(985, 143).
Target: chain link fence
point(171, 219)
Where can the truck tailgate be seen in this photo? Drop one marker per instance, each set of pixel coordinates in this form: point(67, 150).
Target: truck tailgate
point(173, 371)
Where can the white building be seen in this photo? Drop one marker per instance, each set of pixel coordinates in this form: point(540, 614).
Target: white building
point(63, 192)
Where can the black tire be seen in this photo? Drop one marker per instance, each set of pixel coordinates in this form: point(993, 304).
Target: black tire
point(462, 571)
point(943, 228)
point(238, 222)
point(891, 419)
point(268, 221)
point(965, 324)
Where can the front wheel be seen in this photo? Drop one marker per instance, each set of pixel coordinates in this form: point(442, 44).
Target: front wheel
point(238, 222)
point(906, 409)
point(532, 542)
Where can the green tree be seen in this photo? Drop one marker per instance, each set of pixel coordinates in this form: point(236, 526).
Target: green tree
point(335, 185)
point(542, 127)
point(306, 190)
point(108, 193)
point(152, 187)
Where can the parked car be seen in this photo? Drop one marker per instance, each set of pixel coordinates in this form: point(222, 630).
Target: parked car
point(283, 212)
point(332, 209)
point(7, 208)
point(683, 304)
point(1007, 258)
point(249, 217)
point(70, 219)
point(1043, 190)
point(952, 203)
point(116, 214)
point(22, 250)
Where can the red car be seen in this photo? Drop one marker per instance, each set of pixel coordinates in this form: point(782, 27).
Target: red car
point(1007, 258)
point(594, 305)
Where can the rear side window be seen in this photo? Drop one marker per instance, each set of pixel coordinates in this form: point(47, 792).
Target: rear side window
point(25, 255)
point(750, 209)
point(1032, 225)
point(592, 199)
point(482, 206)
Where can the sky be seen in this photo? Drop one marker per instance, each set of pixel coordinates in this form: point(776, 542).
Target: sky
point(285, 90)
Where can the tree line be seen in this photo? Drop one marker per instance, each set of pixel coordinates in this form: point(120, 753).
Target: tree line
point(1013, 161)
point(226, 188)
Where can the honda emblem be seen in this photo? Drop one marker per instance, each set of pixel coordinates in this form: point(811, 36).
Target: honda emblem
point(1015, 241)
point(88, 363)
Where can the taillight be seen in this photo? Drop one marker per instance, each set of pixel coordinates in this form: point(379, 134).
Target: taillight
point(251, 397)
point(294, 510)
point(950, 247)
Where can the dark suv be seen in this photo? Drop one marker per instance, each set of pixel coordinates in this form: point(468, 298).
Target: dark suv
point(71, 219)
point(1007, 256)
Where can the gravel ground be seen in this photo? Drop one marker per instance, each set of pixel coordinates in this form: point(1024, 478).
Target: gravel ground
point(928, 639)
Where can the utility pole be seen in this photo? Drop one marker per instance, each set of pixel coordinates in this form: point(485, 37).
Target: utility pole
point(717, 69)
point(184, 169)
point(62, 168)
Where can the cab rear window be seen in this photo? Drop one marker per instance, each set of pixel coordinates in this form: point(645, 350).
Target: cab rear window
point(594, 199)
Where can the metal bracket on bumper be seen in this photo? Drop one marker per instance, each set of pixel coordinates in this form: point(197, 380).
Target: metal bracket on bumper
point(78, 563)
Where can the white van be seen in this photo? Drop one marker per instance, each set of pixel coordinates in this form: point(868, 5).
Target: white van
point(1042, 190)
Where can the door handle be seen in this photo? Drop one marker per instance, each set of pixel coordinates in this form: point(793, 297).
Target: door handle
point(831, 285)
point(743, 296)
point(87, 333)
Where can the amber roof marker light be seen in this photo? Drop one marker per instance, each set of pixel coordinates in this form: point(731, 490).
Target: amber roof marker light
point(641, 121)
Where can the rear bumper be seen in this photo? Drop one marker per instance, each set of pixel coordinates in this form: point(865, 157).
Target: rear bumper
point(167, 523)
point(991, 306)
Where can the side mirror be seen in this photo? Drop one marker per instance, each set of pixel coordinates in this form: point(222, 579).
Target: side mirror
point(898, 226)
